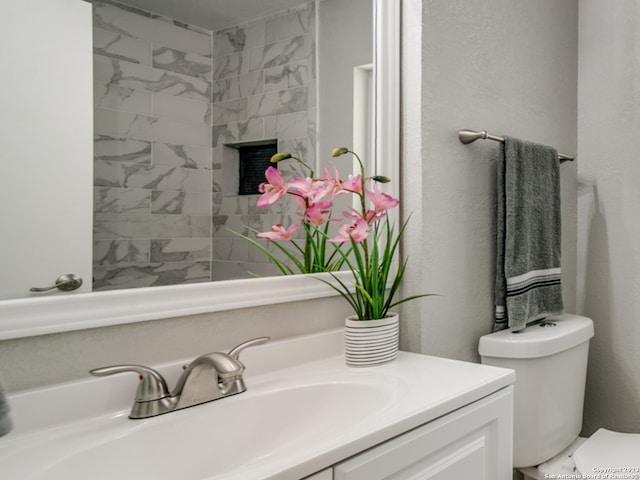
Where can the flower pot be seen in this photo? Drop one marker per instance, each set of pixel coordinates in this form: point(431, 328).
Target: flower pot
point(371, 342)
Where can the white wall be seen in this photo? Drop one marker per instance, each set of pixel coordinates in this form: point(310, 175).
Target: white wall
point(502, 66)
point(608, 206)
point(345, 27)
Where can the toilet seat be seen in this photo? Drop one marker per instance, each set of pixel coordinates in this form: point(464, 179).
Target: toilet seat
point(608, 452)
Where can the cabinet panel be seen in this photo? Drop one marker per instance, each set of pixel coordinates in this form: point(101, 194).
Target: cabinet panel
point(323, 475)
point(473, 442)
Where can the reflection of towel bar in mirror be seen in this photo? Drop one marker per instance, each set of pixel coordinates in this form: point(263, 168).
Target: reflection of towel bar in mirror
point(470, 136)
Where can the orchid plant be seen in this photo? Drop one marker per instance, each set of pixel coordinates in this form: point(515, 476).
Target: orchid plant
point(365, 242)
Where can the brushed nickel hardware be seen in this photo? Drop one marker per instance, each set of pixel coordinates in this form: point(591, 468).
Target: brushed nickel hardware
point(209, 377)
point(65, 283)
point(470, 136)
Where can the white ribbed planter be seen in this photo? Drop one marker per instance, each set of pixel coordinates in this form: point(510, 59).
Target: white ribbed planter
point(371, 342)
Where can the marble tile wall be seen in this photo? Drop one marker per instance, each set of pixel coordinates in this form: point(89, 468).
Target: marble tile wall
point(152, 150)
point(263, 88)
point(169, 99)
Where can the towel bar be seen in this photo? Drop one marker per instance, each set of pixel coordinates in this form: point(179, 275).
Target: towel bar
point(470, 136)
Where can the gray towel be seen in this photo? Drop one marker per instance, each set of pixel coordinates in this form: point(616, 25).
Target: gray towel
point(5, 421)
point(528, 235)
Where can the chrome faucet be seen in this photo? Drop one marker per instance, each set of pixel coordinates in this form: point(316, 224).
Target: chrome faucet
point(209, 377)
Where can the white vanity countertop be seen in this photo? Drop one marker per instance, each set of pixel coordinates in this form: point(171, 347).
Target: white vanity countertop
point(304, 410)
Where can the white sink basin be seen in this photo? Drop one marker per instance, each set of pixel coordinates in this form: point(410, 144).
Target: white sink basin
point(213, 440)
point(290, 423)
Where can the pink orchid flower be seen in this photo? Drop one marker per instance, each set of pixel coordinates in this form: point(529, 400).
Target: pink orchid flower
point(359, 231)
point(370, 217)
point(312, 188)
point(278, 232)
point(318, 213)
point(381, 201)
point(272, 189)
point(333, 185)
point(353, 184)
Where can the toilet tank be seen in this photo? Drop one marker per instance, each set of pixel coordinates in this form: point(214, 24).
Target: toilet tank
point(551, 367)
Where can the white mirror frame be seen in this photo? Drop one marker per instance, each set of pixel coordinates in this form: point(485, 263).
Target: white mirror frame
point(38, 316)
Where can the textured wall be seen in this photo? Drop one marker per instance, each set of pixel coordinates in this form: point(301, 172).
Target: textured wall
point(502, 66)
point(608, 206)
point(48, 359)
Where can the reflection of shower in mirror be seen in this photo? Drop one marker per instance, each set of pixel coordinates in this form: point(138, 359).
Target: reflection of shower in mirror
point(175, 92)
point(170, 101)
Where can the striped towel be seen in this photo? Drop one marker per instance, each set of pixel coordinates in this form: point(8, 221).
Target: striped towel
point(5, 420)
point(528, 235)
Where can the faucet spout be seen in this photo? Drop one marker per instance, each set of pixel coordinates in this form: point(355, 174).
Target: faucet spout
point(209, 377)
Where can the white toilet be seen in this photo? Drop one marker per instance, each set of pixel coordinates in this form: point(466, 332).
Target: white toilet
point(550, 360)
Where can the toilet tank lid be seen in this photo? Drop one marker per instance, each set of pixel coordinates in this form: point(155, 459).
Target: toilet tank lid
point(537, 341)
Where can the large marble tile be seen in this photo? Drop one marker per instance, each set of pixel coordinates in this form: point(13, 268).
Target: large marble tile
point(182, 62)
point(173, 273)
point(143, 127)
point(216, 202)
point(121, 47)
point(286, 126)
point(229, 40)
point(120, 252)
point(235, 204)
point(275, 103)
point(122, 99)
point(255, 34)
point(120, 226)
point(234, 132)
point(246, 205)
point(286, 76)
point(116, 174)
point(152, 30)
point(230, 248)
point(121, 200)
point(229, 111)
point(300, 147)
point(121, 149)
point(181, 109)
point(158, 226)
point(187, 156)
point(109, 71)
point(233, 87)
point(292, 23)
point(179, 226)
point(283, 52)
point(235, 64)
point(185, 203)
point(181, 250)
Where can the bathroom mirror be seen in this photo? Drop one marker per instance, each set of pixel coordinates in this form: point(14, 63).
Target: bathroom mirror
point(33, 316)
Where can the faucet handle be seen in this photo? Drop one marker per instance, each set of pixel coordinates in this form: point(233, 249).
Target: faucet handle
point(152, 385)
point(235, 352)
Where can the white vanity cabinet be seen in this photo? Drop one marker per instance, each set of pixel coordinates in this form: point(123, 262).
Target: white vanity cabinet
point(472, 442)
point(305, 415)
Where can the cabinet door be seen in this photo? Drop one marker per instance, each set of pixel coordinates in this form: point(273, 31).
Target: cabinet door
point(473, 442)
point(323, 475)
